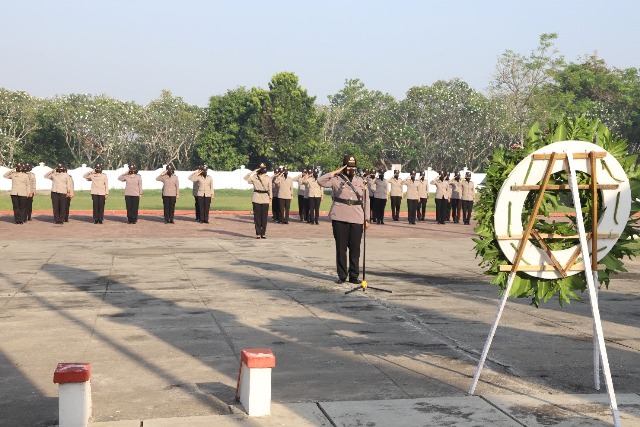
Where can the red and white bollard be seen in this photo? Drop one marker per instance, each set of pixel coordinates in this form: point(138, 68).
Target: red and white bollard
point(254, 381)
point(74, 394)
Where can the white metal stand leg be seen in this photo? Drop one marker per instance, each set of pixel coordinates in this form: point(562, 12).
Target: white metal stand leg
point(595, 311)
point(492, 332)
point(596, 350)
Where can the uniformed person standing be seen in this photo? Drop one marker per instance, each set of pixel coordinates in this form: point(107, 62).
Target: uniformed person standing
point(285, 195)
point(99, 191)
point(68, 200)
point(370, 179)
point(132, 193)
point(347, 217)
point(314, 195)
point(302, 185)
point(194, 191)
point(275, 202)
point(396, 195)
point(170, 192)
point(260, 199)
point(413, 196)
point(456, 197)
point(61, 190)
point(20, 188)
point(423, 193)
point(442, 197)
point(468, 197)
point(380, 197)
point(32, 190)
point(205, 192)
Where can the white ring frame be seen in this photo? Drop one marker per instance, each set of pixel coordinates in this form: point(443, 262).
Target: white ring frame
point(514, 201)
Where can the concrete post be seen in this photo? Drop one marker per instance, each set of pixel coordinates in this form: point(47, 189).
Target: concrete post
point(254, 381)
point(74, 394)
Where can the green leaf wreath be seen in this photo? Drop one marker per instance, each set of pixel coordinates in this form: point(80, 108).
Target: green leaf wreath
point(502, 163)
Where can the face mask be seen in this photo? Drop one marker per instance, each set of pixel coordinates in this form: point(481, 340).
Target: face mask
point(350, 172)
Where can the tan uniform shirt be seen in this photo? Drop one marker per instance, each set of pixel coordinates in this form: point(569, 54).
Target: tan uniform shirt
point(396, 187)
point(313, 189)
point(195, 189)
point(442, 188)
point(423, 189)
point(382, 189)
point(341, 211)
point(205, 184)
point(20, 185)
point(275, 186)
point(412, 188)
point(170, 185)
point(456, 189)
point(133, 184)
point(468, 190)
point(99, 183)
point(371, 186)
point(62, 182)
point(32, 183)
point(302, 184)
point(285, 187)
point(260, 183)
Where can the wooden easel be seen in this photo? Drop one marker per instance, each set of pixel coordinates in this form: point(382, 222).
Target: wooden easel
point(600, 351)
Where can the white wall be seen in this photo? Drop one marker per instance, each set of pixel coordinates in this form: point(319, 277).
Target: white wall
point(221, 179)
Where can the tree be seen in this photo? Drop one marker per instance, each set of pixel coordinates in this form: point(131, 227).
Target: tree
point(18, 118)
point(518, 79)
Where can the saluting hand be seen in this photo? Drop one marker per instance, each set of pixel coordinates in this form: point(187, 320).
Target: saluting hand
point(337, 171)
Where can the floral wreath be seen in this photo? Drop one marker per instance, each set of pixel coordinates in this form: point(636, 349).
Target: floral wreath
point(503, 161)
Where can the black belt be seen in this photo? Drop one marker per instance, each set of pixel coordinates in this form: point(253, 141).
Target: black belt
point(348, 202)
point(261, 191)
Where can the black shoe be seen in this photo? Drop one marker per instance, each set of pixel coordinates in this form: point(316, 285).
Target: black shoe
point(171, 221)
point(206, 222)
point(100, 222)
point(200, 221)
point(263, 237)
point(95, 221)
point(258, 237)
point(355, 281)
point(341, 280)
point(166, 222)
point(316, 222)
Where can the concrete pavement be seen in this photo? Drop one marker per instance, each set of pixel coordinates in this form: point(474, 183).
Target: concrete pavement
point(162, 319)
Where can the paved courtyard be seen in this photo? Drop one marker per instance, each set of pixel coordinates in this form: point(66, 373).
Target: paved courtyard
point(163, 311)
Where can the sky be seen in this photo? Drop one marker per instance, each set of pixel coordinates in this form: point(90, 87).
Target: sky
point(133, 49)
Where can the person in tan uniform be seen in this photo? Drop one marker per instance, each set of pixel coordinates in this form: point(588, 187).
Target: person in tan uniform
point(275, 201)
point(413, 196)
point(302, 184)
point(423, 193)
point(396, 195)
point(314, 196)
point(468, 197)
point(20, 188)
point(205, 192)
point(68, 201)
point(170, 192)
point(194, 191)
point(380, 197)
point(61, 189)
point(456, 197)
point(32, 190)
point(370, 179)
point(285, 195)
point(347, 216)
point(99, 191)
point(132, 193)
point(260, 199)
point(442, 196)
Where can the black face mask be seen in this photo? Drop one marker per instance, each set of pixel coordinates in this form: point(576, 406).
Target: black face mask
point(413, 177)
point(262, 171)
point(350, 173)
point(315, 174)
point(285, 174)
point(169, 172)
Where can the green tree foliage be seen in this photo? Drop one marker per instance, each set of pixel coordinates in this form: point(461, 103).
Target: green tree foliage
point(18, 119)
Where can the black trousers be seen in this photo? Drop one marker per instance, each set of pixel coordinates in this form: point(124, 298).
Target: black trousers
point(395, 207)
point(19, 208)
point(448, 213)
point(441, 210)
point(59, 205)
point(98, 207)
point(372, 213)
point(284, 206)
point(275, 209)
point(380, 205)
point(422, 208)
point(197, 208)
point(456, 207)
point(314, 208)
point(260, 215)
point(132, 202)
point(467, 208)
point(348, 237)
point(29, 208)
point(204, 204)
point(67, 209)
point(302, 207)
point(412, 209)
point(169, 205)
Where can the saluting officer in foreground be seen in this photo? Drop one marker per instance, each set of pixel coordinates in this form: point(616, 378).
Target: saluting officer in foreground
point(61, 190)
point(99, 191)
point(347, 216)
point(20, 187)
point(205, 192)
point(261, 198)
point(170, 192)
point(132, 192)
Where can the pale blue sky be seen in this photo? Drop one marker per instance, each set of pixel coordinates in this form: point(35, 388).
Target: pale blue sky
point(132, 49)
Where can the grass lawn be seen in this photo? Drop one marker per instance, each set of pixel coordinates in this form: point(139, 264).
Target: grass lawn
point(227, 200)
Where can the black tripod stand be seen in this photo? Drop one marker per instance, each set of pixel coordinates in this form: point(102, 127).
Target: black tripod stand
point(363, 284)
